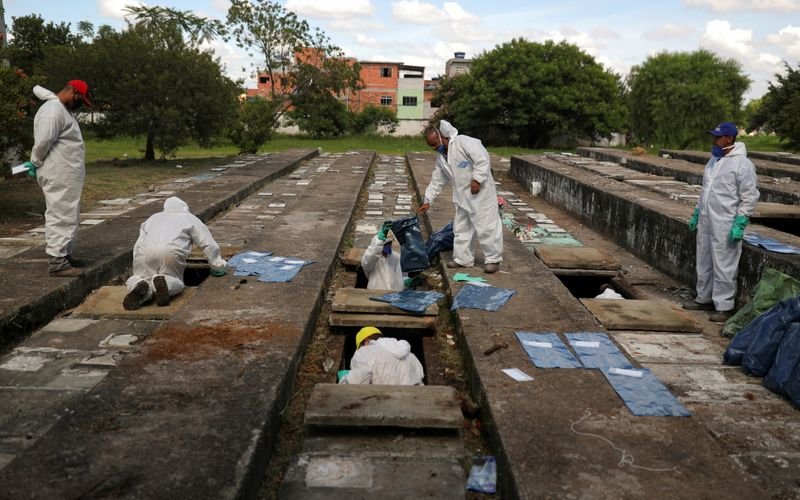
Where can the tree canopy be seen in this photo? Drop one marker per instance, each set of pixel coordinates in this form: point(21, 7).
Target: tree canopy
point(779, 109)
point(528, 93)
point(30, 37)
point(674, 98)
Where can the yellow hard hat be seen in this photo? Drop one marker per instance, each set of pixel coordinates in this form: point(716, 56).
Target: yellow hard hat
point(365, 333)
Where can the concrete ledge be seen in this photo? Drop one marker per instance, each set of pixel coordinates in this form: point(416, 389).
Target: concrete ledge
point(772, 164)
point(685, 171)
point(30, 298)
point(652, 227)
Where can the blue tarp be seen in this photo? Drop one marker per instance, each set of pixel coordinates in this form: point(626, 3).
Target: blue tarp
point(605, 355)
point(542, 356)
point(758, 330)
point(268, 267)
point(645, 396)
point(787, 359)
point(770, 244)
point(488, 298)
point(410, 300)
point(440, 241)
point(413, 256)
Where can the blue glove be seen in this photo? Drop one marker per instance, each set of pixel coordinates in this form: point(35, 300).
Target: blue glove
point(737, 230)
point(384, 230)
point(218, 272)
point(31, 169)
point(693, 220)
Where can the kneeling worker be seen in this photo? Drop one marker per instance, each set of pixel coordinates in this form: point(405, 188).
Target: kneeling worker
point(159, 256)
point(381, 263)
point(382, 361)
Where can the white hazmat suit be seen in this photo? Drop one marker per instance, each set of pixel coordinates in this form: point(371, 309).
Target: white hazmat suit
point(477, 217)
point(383, 273)
point(58, 153)
point(729, 189)
point(385, 361)
point(165, 241)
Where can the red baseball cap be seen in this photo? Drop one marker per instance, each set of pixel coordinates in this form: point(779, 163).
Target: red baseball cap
point(83, 88)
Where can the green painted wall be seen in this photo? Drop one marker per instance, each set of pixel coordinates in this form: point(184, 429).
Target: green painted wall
point(409, 112)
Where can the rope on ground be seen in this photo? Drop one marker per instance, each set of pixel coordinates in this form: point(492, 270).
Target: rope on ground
point(626, 458)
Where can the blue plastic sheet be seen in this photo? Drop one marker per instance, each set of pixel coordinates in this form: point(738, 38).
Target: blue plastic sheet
point(783, 313)
point(556, 356)
point(488, 298)
point(645, 396)
point(269, 268)
point(410, 300)
point(770, 244)
point(786, 362)
point(604, 356)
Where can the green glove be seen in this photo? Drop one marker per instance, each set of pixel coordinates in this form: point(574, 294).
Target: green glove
point(384, 230)
point(737, 230)
point(31, 169)
point(218, 271)
point(693, 220)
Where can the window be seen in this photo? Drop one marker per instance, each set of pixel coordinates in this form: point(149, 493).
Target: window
point(263, 79)
point(386, 100)
point(409, 100)
point(386, 72)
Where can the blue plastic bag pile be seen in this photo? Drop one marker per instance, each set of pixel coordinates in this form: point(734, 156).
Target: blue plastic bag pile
point(769, 347)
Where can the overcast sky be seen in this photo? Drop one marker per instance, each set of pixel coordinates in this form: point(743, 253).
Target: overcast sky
point(619, 34)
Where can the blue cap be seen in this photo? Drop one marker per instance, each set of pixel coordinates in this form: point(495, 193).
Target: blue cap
point(725, 128)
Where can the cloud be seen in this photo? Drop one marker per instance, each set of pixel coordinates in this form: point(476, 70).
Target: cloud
point(340, 9)
point(367, 41)
point(727, 41)
point(455, 14)
point(758, 5)
point(115, 8)
point(788, 40)
point(355, 25)
point(414, 11)
point(606, 34)
point(669, 30)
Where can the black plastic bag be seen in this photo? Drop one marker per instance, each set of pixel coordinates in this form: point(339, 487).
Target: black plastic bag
point(760, 330)
point(413, 256)
point(440, 241)
point(786, 360)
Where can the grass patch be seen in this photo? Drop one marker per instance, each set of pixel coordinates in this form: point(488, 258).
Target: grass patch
point(767, 143)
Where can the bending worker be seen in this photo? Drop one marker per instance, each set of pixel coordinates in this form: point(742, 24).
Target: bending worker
point(464, 161)
point(58, 158)
point(383, 361)
point(381, 262)
point(727, 200)
point(159, 256)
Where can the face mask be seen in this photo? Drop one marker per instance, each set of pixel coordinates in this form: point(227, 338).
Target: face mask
point(442, 149)
point(76, 103)
point(718, 151)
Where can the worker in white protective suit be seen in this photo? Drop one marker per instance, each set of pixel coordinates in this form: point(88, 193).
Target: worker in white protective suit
point(727, 200)
point(464, 161)
point(382, 361)
point(58, 160)
point(159, 256)
point(381, 262)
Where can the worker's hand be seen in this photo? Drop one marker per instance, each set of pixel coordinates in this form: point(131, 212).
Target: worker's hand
point(693, 220)
point(384, 230)
point(31, 169)
point(218, 272)
point(423, 208)
point(737, 230)
point(474, 186)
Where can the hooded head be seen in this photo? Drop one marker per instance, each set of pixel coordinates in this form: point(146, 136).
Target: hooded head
point(175, 204)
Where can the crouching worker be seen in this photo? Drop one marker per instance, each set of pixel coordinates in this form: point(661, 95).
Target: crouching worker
point(159, 256)
point(381, 262)
point(382, 361)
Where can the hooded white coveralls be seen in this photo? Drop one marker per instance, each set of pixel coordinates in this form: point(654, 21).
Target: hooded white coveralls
point(729, 189)
point(383, 273)
point(385, 361)
point(165, 241)
point(477, 217)
point(58, 154)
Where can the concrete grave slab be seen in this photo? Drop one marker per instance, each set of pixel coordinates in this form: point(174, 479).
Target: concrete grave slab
point(352, 257)
point(776, 210)
point(366, 228)
point(357, 300)
point(698, 384)
point(669, 348)
point(91, 222)
point(645, 315)
point(382, 320)
point(106, 302)
point(576, 258)
point(8, 252)
point(416, 407)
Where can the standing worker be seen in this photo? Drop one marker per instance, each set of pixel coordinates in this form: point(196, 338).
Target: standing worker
point(58, 160)
point(727, 200)
point(464, 161)
point(381, 263)
point(159, 256)
point(382, 361)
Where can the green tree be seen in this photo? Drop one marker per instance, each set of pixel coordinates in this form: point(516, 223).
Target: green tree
point(301, 63)
point(529, 93)
point(149, 82)
point(320, 114)
point(17, 106)
point(254, 125)
point(674, 98)
point(751, 116)
point(780, 108)
point(31, 36)
point(371, 118)
point(166, 20)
